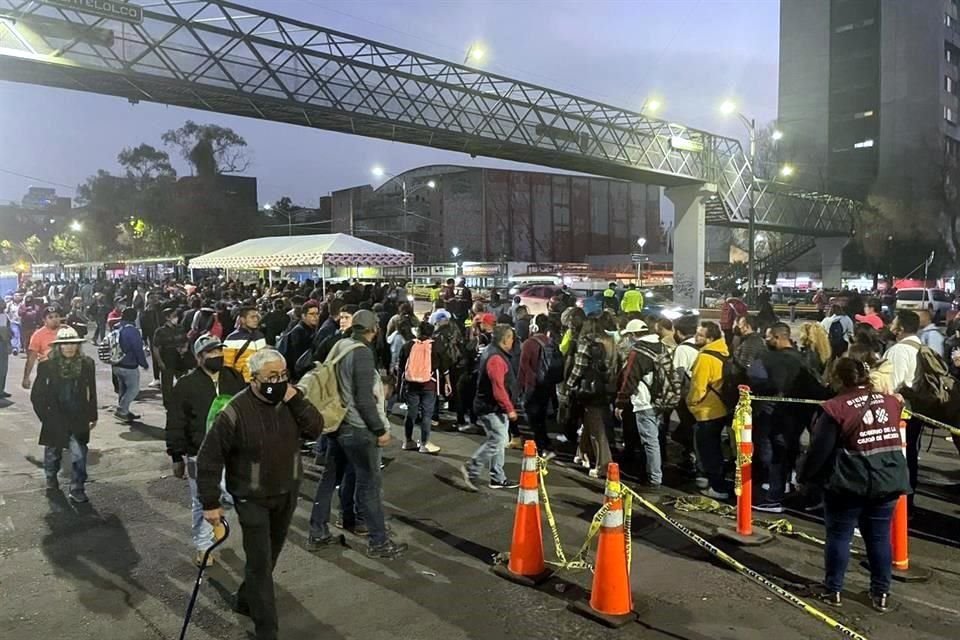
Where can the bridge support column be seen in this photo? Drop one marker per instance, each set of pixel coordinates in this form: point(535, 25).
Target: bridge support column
point(831, 261)
point(689, 241)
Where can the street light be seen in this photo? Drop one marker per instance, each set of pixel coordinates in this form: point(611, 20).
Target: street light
point(431, 184)
point(475, 53)
point(728, 107)
point(378, 172)
point(787, 170)
point(641, 242)
point(776, 135)
point(268, 207)
point(76, 226)
point(651, 106)
point(455, 251)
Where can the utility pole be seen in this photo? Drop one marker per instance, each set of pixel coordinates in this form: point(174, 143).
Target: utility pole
point(752, 220)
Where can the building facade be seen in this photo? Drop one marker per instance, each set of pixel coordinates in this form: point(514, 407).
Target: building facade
point(499, 215)
point(868, 91)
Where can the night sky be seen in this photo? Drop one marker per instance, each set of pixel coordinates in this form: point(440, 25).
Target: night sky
point(691, 54)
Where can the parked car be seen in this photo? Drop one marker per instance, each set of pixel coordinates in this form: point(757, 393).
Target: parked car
point(537, 298)
point(937, 301)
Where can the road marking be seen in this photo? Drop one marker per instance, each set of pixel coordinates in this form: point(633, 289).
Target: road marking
point(930, 604)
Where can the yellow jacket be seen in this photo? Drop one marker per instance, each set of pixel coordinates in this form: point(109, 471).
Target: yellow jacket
point(706, 378)
point(632, 301)
point(239, 347)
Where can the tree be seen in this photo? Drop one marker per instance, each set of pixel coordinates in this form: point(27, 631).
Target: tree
point(146, 166)
point(66, 247)
point(210, 149)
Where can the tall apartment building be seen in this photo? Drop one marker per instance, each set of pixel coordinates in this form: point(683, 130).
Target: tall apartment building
point(869, 91)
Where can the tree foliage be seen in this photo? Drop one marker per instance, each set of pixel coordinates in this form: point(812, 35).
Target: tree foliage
point(210, 149)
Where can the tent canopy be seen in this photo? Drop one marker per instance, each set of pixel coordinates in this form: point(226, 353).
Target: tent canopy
point(331, 249)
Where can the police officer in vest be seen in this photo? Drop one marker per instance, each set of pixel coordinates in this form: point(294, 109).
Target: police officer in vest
point(610, 300)
point(856, 454)
point(632, 299)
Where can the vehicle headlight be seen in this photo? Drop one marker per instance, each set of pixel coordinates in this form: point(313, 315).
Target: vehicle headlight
point(671, 314)
point(410, 298)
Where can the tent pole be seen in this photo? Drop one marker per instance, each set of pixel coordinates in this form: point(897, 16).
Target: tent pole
point(323, 278)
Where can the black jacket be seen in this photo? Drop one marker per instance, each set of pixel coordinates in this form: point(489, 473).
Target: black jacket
point(259, 446)
point(187, 414)
point(298, 340)
point(62, 415)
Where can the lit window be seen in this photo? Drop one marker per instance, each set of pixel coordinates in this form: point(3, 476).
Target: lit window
point(863, 144)
point(842, 28)
point(948, 20)
point(948, 115)
point(949, 85)
point(863, 114)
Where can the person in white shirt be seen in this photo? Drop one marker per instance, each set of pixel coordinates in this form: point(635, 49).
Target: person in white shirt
point(903, 357)
point(929, 333)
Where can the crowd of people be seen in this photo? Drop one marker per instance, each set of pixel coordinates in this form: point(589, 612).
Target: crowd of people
point(245, 373)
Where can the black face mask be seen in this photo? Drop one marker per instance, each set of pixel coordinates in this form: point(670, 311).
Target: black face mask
point(213, 365)
point(273, 392)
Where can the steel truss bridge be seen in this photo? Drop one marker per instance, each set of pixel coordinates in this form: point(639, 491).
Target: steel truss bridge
point(228, 58)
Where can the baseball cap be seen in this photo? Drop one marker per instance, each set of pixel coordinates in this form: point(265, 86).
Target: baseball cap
point(365, 319)
point(439, 316)
point(205, 343)
point(636, 326)
point(485, 319)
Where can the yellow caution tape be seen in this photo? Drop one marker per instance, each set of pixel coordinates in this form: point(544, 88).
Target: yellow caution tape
point(578, 563)
point(747, 572)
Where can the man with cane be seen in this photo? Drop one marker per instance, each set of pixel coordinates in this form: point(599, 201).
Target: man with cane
point(257, 439)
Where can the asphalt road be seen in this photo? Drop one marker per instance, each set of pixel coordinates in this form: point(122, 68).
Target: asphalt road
point(120, 567)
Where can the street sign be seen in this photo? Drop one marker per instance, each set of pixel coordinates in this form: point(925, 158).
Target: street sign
point(108, 9)
point(638, 257)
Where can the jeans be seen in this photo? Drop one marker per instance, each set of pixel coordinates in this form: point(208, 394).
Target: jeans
point(52, 456)
point(707, 436)
point(421, 400)
point(536, 406)
point(841, 516)
point(264, 523)
point(4, 367)
point(202, 530)
point(15, 336)
point(466, 390)
point(128, 381)
point(770, 449)
point(914, 431)
point(491, 453)
point(648, 426)
point(101, 331)
point(351, 451)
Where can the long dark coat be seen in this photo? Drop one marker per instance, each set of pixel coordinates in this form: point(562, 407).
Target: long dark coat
point(58, 422)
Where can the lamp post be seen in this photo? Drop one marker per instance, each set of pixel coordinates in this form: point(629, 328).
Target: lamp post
point(641, 242)
point(456, 259)
point(476, 53)
point(380, 172)
point(728, 108)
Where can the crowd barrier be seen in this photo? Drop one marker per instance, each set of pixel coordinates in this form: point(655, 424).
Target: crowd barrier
point(611, 600)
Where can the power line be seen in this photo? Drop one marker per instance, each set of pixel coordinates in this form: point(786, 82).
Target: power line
point(35, 178)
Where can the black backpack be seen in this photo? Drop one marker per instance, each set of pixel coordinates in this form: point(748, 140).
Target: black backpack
point(838, 338)
point(733, 377)
point(598, 383)
point(550, 367)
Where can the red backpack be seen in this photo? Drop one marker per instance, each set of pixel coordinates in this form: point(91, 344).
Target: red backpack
point(419, 363)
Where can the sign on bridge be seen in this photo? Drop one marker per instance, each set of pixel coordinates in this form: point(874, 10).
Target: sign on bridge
point(108, 9)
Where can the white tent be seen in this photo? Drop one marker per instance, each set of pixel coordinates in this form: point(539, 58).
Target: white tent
point(276, 252)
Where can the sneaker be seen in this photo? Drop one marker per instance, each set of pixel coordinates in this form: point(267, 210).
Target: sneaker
point(409, 445)
point(769, 507)
point(593, 473)
point(515, 443)
point(319, 544)
point(702, 483)
point(716, 495)
point(154, 385)
point(53, 484)
point(133, 416)
point(504, 484)
point(198, 559)
point(4, 394)
point(562, 439)
point(831, 598)
point(434, 423)
point(470, 428)
point(357, 528)
point(79, 496)
point(880, 602)
point(814, 507)
point(548, 455)
point(467, 480)
point(429, 447)
point(388, 550)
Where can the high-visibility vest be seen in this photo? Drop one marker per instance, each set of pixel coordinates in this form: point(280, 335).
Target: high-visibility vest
point(609, 293)
point(632, 301)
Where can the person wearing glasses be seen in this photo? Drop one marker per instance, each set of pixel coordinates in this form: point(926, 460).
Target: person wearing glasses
point(256, 438)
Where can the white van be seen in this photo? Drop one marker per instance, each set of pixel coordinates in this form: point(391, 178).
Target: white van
point(938, 301)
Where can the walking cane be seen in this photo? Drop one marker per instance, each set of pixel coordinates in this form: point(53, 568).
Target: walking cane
point(219, 540)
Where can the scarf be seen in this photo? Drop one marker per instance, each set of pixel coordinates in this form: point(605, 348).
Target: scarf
point(68, 368)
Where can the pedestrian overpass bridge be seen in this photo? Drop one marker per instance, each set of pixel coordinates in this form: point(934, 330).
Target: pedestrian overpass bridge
point(227, 58)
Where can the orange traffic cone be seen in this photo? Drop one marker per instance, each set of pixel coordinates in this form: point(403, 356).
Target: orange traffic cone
point(611, 601)
point(903, 570)
point(526, 565)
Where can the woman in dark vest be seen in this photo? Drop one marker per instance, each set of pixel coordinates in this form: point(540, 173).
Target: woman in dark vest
point(856, 456)
point(64, 397)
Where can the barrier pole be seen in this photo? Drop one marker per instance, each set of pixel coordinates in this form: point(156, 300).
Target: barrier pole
point(899, 534)
point(744, 533)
